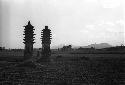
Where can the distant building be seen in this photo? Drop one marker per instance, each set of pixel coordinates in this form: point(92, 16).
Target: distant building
point(67, 48)
point(2, 48)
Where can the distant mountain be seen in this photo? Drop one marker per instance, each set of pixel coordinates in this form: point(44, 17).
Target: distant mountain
point(98, 46)
point(57, 46)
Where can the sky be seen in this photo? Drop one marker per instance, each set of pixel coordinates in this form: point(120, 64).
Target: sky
point(75, 22)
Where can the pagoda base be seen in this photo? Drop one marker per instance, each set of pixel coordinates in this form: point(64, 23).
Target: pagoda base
point(27, 56)
point(44, 59)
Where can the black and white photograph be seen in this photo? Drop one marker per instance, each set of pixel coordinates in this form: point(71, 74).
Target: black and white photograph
point(62, 42)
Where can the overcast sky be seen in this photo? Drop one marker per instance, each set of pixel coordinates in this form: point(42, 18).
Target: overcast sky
point(76, 22)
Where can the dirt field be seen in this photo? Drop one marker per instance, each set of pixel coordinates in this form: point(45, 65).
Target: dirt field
point(68, 69)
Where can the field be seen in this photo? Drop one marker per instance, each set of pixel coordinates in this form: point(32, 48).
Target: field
point(65, 69)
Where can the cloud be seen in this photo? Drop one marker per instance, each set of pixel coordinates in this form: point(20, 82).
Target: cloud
point(105, 29)
point(110, 3)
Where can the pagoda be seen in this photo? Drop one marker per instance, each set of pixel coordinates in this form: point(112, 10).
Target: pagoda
point(46, 41)
point(28, 40)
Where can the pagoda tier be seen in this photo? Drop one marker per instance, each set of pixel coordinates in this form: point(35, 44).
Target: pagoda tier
point(29, 34)
point(46, 36)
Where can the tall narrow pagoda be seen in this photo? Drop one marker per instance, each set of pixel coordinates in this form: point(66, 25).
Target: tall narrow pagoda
point(28, 40)
point(46, 41)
